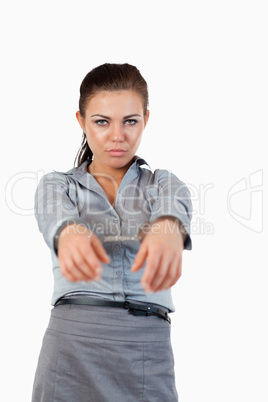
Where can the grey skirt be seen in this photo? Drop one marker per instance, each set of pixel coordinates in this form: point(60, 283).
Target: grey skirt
point(104, 354)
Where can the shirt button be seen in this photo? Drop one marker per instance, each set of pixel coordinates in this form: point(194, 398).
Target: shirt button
point(117, 247)
point(115, 220)
point(118, 273)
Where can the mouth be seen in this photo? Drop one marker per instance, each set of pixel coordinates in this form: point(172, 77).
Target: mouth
point(116, 152)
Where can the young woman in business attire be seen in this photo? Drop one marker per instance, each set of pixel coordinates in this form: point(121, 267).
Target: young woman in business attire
point(116, 231)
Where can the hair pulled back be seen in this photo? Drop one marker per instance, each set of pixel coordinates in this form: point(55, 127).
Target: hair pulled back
point(108, 77)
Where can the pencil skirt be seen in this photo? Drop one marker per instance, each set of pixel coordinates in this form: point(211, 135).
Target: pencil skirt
point(104, 354)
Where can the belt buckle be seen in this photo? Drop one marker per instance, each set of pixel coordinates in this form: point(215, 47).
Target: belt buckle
point(137, 309)
point(126, 305)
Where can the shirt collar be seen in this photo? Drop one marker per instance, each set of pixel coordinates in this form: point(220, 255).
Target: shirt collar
point(138, 161)
point(81, 173)
point(77, 172)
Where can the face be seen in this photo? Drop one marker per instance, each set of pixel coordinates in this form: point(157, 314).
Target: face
point(113, 125)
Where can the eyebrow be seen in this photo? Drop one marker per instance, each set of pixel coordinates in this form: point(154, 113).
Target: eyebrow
point(109, 118)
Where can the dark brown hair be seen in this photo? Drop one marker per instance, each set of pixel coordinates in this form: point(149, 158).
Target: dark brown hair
point(108, 77)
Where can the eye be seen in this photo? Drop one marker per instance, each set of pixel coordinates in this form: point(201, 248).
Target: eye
point(101, 122)
point(131, 122)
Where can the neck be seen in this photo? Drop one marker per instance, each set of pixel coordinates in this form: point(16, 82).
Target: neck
point(97, 168)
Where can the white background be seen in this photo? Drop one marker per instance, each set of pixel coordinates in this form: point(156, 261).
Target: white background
point(206, 66)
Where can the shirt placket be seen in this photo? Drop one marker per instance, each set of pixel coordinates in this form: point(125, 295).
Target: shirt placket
point(118, 271)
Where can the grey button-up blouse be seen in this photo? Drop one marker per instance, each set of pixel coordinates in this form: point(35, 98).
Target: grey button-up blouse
point(142, 197)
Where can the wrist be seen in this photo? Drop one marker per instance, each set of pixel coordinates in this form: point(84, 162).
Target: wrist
point(67, 228)
point(164, 225)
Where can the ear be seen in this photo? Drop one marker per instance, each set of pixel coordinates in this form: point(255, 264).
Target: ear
point(146, 118)
point(80, 119)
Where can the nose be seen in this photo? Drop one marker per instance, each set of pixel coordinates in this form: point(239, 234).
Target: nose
point(118, 133)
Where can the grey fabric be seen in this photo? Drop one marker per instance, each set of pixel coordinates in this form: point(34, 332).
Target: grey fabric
point(104, 354)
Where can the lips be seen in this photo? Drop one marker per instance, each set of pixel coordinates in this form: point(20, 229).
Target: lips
point(116, 152)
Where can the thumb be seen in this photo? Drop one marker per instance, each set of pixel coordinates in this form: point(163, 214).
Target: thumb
point(139, 259)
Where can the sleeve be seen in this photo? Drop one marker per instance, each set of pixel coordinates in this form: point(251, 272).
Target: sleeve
point(54, 209)
point(173, 199)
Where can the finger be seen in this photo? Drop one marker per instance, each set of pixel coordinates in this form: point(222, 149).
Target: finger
point(65, 272)
point(172, 275)
point(69, 270)
point(139, 259)
point(87, 262)
point(80, 261)
point(99, 250)
point(178, 271)
point(65, 263)
point(152, 265)
point(161, 275)
point(76, 274)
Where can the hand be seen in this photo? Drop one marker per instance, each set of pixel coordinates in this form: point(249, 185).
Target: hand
point(162, 248)
point(80, 254)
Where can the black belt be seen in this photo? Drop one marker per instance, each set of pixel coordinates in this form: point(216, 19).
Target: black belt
point(133, 308)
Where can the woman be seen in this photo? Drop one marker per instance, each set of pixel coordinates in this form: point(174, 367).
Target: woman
point(116, 231)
